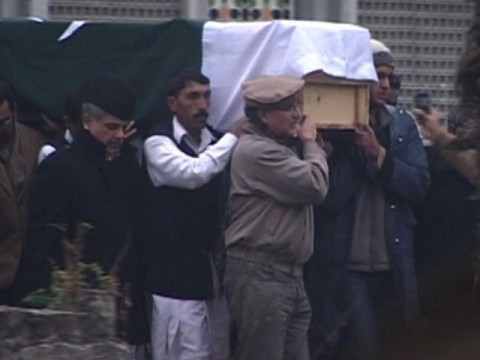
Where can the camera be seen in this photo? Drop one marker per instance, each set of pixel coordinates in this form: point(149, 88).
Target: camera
point(423, 102)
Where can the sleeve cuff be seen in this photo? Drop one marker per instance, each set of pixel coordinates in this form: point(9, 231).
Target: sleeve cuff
point(229, 139)
point(310, 147)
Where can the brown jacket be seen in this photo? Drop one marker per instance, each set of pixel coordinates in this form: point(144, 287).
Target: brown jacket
point(15, 176)
point(466, 162)
point(271, 196)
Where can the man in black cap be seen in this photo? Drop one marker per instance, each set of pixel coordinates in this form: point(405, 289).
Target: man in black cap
point(95, 181)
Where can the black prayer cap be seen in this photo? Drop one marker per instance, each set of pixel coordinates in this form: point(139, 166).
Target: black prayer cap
point(111, 95)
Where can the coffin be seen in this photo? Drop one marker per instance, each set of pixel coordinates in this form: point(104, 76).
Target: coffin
point(235, 52)
point(335, 104)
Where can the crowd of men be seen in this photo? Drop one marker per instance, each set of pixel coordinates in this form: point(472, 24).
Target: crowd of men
point(264, 242)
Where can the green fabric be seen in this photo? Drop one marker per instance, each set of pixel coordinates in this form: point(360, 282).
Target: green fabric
point(43, 70)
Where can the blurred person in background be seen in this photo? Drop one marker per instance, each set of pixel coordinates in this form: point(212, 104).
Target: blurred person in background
point(19, 145)
point(444, 233)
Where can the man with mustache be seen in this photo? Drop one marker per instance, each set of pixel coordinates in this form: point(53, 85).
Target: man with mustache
point(278, 172)
point(19, 145)
point(96, 181)
point(185, 159)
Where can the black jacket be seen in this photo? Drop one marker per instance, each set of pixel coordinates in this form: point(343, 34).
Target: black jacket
point(76, 185)
point(181, 229)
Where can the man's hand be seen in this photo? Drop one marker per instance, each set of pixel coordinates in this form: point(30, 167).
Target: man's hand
point(239, 128)
point(129, 130)
point(307, 130)
point(366, 139)
point(430, 124)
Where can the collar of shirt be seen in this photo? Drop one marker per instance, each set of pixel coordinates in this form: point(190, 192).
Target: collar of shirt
point(180, 133)
point(68, 136)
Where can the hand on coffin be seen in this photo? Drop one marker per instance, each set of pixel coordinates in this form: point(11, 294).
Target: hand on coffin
point(365, 138)
point(307, 130)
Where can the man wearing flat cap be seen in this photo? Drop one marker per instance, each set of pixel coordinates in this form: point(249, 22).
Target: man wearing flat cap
point(95, 181)
point(364, 256)
point(278, 171)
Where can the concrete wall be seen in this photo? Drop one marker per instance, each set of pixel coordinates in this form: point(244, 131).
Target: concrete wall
point(327, 10)
point(24, 8)
point(86, 333)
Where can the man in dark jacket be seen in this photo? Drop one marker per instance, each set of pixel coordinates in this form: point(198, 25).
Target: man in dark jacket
point(364, 258)
point(95, 181)
point(185, 159)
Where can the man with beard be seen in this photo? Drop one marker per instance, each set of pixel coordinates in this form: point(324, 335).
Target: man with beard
point(184, 159)
point(365, 241)
point(18, 148)
point(95, 181)
point(393, 91)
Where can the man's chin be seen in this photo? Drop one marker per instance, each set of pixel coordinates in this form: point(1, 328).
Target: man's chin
point(114, 149)
point(202, 121)
point(378, 102)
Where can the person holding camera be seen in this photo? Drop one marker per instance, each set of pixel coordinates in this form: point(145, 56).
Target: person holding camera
point(459, 152)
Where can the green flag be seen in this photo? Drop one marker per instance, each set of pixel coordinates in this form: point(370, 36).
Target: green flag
point(43, 67)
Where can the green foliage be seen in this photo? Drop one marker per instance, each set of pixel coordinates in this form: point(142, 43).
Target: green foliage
point(68, 282)
point(40, 299)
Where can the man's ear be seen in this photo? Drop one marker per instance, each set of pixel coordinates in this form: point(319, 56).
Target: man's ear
point(263, 116)
point(86, 120)
point(172, 103)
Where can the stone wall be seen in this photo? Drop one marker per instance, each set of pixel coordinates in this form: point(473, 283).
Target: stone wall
point(85, 333)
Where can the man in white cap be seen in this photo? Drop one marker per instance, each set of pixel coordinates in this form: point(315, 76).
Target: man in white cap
point(366, 223)
point(278, 172)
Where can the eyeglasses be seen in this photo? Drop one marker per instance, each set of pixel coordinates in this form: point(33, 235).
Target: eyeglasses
point(393, 80)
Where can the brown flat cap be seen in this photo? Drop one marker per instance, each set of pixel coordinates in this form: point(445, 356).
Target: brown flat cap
point(271, 89)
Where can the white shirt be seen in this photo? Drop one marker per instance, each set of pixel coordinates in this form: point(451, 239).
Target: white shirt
point(48, 149)
point(168, 165)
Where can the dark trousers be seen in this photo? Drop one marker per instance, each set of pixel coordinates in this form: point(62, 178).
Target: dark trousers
point(270, 312)
point(372, 312)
